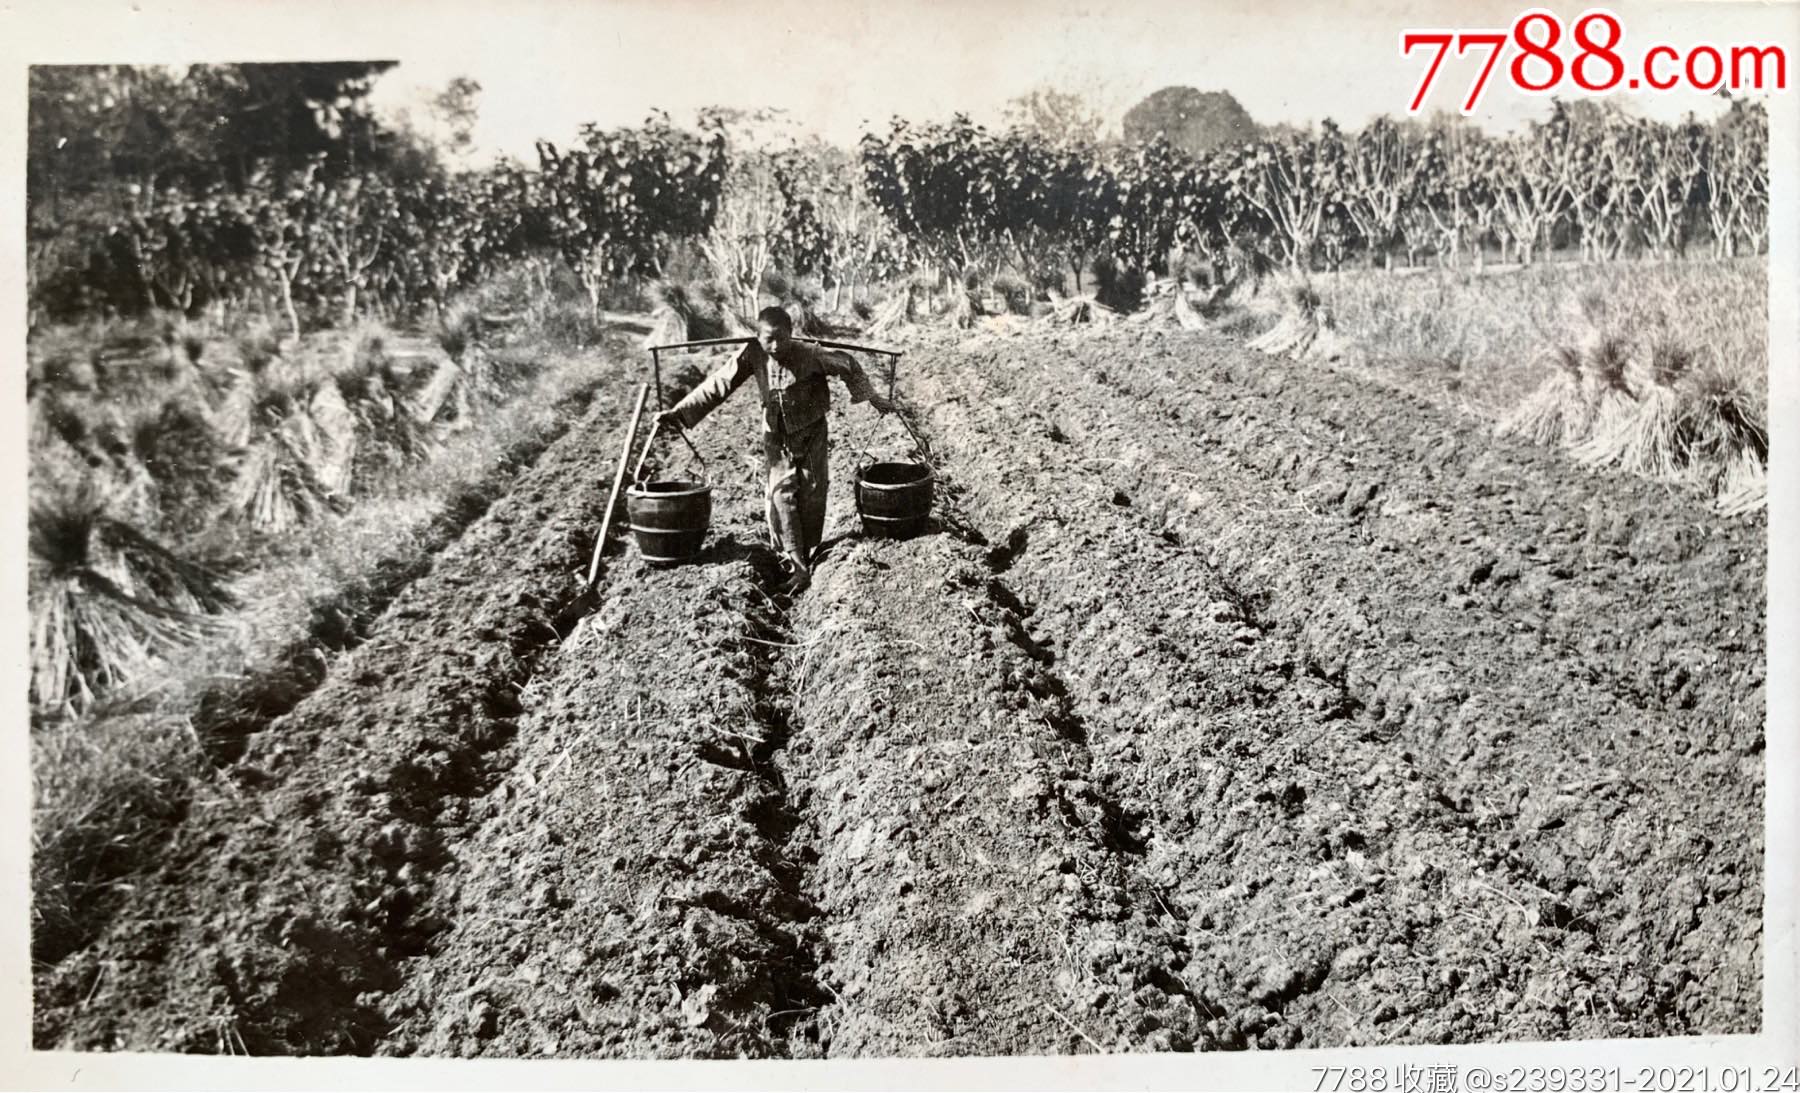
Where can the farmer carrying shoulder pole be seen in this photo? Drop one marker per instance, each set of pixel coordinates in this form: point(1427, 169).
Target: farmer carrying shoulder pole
point(795, 397)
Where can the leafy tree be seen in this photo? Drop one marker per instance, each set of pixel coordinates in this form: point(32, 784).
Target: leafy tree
point(617, 203)
point(1159, 191)
point(1532, 176)
point(115, 153)
point(936, 184)
point(1196, 122)
point(1295, 185)
point(1737, 203)
point(1456, 197)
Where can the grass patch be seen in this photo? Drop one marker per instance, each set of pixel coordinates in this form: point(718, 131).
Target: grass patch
point(1650, 368)
point(1491, 331)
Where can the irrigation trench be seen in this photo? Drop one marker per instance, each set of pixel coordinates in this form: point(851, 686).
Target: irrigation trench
point(1230, 704)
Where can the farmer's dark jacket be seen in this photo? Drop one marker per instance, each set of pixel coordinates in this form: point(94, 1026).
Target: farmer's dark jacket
point(794, 393)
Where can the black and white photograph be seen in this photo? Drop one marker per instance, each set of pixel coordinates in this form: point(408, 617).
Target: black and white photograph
point(901, 544)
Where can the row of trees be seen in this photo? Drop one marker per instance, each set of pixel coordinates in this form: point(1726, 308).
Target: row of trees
point(302, 239)
point(332, 213)
point(1588, 177)
point(338, 213)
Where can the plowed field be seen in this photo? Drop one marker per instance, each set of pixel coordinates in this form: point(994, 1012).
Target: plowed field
point(1228, 702)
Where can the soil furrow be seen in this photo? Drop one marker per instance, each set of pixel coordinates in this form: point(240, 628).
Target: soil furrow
point(1567, 555)
point(1167, 1011)
point(1176, 680)
point(633, 892)
point(1225, 706)
point(289, 894)
point(969, 872)
point(635, 889)
point(1295, 561)
point(228, 715)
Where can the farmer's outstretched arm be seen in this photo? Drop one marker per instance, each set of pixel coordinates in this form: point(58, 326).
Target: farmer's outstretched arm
point(703, 399)
point(856, 381)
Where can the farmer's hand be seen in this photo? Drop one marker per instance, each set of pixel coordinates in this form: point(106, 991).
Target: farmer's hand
point(883, 405)
point(668, 419)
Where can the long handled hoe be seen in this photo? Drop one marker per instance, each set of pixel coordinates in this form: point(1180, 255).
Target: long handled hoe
point(612, 500)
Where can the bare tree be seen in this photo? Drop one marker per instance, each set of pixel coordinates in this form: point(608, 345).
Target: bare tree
point(1059, 117)
point(1531, 175)
point(1383, 178)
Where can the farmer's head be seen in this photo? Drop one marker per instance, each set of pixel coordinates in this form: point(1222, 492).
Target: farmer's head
point(774, 329)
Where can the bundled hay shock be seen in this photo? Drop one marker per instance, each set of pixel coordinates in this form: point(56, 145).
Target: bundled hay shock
point(186, 464)
point(895, 311)
point(459, 391)
point(277, 487)
point(1745, 485)
point(1167, 304)
point(388, 436)
point(1719, 418)
point(1558, 412)
point(1642, 437)
point(1610, 399)
point(1722, 429)
point(279, 484)
point(106, 601)
point(458, 329)
point(681, 313)
point(1306, 331)
point(1080, 310)
point(56, 419)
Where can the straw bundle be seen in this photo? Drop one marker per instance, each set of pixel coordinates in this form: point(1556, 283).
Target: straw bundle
point(1745, 487)
point(1611, 403)
point(1645, 437)
point(1558, 412)
point(106, 602)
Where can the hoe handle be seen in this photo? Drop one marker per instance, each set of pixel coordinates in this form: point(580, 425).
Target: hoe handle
point(612, 500)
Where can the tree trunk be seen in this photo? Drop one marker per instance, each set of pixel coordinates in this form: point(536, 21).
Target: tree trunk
point(592, 285)
point(287, 301)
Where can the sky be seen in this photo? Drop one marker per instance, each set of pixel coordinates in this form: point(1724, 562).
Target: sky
point(840, 68)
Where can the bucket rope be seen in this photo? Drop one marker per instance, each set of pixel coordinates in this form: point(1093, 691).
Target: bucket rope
point(655, 427)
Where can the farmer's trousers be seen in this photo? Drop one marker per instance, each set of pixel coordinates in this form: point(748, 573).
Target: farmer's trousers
point(794, 499)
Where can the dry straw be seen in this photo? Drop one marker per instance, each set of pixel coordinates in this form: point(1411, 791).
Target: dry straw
point(106, 601)
point(1081, 310)
point(1720, 418)
point(1663, 417)
point(1558, 412)
point(1646, 437)
point(1612, 403)
point(896, 311)
point(1745, 486)
point(1306, 331)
